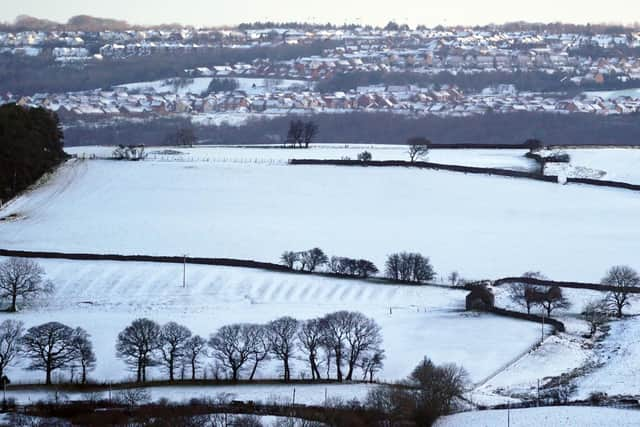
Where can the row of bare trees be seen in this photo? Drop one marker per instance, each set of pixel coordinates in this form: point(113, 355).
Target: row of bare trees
point(530, 296)
point(339, 342)
point(48, 347)
point(621, 280)
point(402, 266)
point(315, 259)
point(301, 133)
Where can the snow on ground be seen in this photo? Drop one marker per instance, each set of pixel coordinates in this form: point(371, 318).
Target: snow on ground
point(613, 94)
point(559, 416)
point(197, 85)
point(104, 297)
point(483, 226)
point(307, 394)
point(557, 355)
point(619, 354)
point(505, 159)
point(611, 164)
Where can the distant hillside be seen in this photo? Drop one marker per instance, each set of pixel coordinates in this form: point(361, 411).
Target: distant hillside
point(75, 23)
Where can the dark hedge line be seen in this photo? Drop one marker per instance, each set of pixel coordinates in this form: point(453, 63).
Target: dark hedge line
point(225, 262)
point(558, 325)
point(427, 165)
point(604, 183)
point(572, 285)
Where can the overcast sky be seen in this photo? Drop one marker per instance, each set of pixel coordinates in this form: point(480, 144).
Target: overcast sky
point(413, 12)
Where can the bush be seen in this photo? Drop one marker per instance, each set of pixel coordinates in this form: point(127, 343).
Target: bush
point(365, 156)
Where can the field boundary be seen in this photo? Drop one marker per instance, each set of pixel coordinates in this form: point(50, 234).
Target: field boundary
point(561, 284)
point(466, 169)
point(428, 165)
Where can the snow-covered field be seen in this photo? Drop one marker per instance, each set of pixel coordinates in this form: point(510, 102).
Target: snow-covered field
point(307, 394)
point(618, 354)
point(198, 85)
point(482, 226)
point(504, 159)
point(104, 297)
point(560, 416)
point(612, 164)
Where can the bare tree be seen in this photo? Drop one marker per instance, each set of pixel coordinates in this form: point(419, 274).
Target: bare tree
point(10, 334)
point(310, 132)
point(371, 363)
point(290, 258)
point(137, 345)
point(409, 267)
point(454, 278)
point(233, 346)
point(23, 279)
point(437, 387)
point(428, 393)
point(194, 349)
point(173, 339)
point(49, 347)
point(392, 266)
point(295, 135)
point(418, 148)
point(525, 295)
point(622, 279)
point(336, 327)
point(184, 136)
point(310, 336)
point(552, 299)
point(312, 259)
point(84, 355)
point(259, 337)
point(282, 339)
point(362, 335)
point(596, 315)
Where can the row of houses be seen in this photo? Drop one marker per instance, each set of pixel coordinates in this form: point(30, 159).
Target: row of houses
point(409, 99)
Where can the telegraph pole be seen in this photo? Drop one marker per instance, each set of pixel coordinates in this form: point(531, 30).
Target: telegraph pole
point(184, 271)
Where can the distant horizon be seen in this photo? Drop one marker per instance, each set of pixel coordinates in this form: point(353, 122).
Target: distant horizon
point(203, 13)
point(319, 23)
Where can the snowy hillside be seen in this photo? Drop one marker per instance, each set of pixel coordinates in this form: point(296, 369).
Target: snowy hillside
point(561, 416)
point(103, 297)
point(480, 225)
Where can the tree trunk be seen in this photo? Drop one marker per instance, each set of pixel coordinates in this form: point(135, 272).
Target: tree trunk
point(254, 369)
point(287, 373)
point(338, 367)
point(139, 371)
point(48, 376)
point(193, 370)
point(349, 372)
point(314, 369)
point(84, 374)
point(14, 306)
point(171, 369)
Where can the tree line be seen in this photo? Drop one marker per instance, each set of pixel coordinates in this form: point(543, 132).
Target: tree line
point(336, 346)
point(621, 280)
point(402, 266)
point(339, 344)
point(28, 75)
point(31, 144)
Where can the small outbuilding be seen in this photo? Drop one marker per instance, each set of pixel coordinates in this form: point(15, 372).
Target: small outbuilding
point(480, 298)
